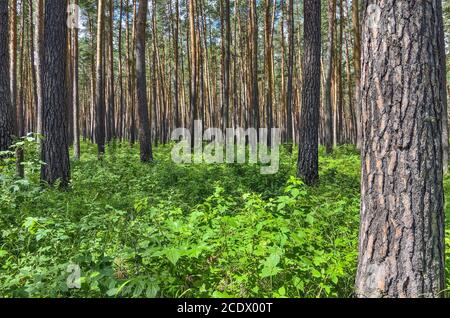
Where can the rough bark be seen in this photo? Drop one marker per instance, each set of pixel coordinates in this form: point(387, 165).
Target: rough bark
point(308, 160)
point(55, 148)
point(6, 108)
point(402, 201)
point(141, 82)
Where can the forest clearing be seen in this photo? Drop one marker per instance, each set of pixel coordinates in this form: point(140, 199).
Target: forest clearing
point(224, 149)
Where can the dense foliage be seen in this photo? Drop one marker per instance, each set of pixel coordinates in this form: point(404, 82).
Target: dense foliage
point(166, 230)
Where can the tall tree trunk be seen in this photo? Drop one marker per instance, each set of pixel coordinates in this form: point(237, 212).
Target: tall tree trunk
point(7, 127)
point(443, 81)
point(401, 241)
point(100, 126)
point(226, 62)
point(141, 82)
point(357, 67)
point(55, 148)
point(32, 31)
point(254, 64)
point(20, 116)
point(328, 109)
point(268, 35)
point(193, 68)
point(289, 94)
point(13, 61)
point(75, 93)
point(308, 156)
point(121, 98)
point(111, 97)
point(339, 84)
point(177, 64)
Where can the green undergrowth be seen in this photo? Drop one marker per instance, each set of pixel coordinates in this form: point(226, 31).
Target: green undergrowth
point(167, 230)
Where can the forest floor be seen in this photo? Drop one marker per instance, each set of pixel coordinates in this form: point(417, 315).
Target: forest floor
point(167, 230)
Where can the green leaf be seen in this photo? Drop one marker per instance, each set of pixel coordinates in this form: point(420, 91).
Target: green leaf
point(316, 273)
point(270, 266)
point(3, 253)
point(152, 290)
point(112, 292)
point(310, 218)
point(173, 255)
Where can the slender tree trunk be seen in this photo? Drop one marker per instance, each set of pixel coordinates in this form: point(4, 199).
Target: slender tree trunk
point(177, 64)
point(122, 102)
point(13, 62)
point(254, 63)
point(226, 63)
point(32, 31)
point(289, 94)
point(111, 97)
point(269, 66)
point(443, 90)
point(100, 126)
point(193, 68)
point(401, 245)
point(328, 109)
point(357, 67)
point(76, 93)
point(20, 116)
point(308, 156)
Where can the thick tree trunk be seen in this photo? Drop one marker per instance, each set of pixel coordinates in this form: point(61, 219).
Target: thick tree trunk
point(141, 81)
point(308, 156)
point(7, 127)
point(55, 148)
point(402, 201)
